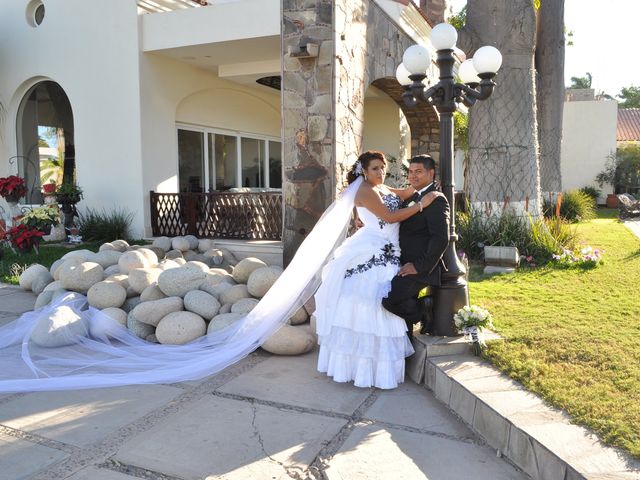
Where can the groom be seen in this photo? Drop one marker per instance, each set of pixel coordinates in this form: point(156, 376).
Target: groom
point(423, 239)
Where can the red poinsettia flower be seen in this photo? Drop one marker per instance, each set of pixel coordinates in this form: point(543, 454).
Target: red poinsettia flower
point(23, 236)
point(12, 187)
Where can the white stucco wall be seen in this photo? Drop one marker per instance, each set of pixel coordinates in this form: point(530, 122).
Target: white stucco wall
point(588, 137)
point(385, 127)
point(176, 92)
point(91, 50)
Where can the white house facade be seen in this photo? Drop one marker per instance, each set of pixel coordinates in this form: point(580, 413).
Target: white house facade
point(171, 96)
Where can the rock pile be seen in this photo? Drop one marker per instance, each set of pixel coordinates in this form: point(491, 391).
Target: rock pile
point(171, 292)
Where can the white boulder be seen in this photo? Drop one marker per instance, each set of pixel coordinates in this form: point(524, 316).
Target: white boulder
point(130, 303)
point(111, 321)
point(141, 278)
point(134, 259)
point(205, 305)
point(152, 292)
point(83, 255)
point(179, 328)
point(233, 294)
point(244, 268)
point(58, 328)
point(214, 256)
point(79, 277)
point(223, 320)
point(40, 282)
point(106, 294)
point(30, 274)
point(138, 328)
point(162, 242)
point(244, 306)
point(112, 270)
point(178, 281)
point(205, 244)
point(43, 299)
point(261, 280)
point(180, 243)
point(120, 245)
point(301, 316)
point(193, 241)
point(107, 258)
point(195, 265)
point(226, 308)
point(290, 340)
point(152, 312)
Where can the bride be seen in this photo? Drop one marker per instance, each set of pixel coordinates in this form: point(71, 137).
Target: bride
point(113, 356)
point(359, 339)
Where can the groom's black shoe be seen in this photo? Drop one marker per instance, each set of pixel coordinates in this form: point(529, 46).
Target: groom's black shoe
point(427, 315)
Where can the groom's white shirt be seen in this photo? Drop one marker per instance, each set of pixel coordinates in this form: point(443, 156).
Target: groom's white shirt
point(422, 190)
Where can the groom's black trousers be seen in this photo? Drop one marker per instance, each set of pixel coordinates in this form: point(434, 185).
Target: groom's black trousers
point(403, 299)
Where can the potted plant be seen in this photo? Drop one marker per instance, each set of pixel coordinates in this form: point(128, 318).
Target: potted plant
point(67, 195)
point(12, 188)
point(23, 237)
point(49, 189)
point(622, 170)
point(42, 218)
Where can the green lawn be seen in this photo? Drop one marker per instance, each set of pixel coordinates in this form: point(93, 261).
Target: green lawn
point(573, 336)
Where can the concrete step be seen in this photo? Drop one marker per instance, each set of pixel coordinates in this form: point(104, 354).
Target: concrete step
point(535, 437)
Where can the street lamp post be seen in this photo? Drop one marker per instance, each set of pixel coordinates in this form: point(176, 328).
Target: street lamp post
point(477, 84)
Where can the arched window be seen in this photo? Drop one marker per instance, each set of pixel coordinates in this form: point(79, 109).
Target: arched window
point(44, 128)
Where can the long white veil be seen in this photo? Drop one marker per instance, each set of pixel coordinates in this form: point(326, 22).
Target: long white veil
point(111, 355)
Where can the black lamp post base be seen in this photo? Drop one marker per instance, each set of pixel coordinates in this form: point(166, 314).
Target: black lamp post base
point(447, 301)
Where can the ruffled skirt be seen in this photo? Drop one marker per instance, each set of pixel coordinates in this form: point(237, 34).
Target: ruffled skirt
point(359, 339)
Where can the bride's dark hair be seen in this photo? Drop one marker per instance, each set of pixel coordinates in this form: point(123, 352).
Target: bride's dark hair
point(364, 159)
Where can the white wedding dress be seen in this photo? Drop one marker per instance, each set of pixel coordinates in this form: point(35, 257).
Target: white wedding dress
point(359, 339)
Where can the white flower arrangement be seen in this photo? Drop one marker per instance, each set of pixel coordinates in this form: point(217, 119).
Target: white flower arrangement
point(472, 321)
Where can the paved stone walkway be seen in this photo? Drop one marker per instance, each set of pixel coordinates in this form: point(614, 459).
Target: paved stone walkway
point(633, 225)
point(266, 417)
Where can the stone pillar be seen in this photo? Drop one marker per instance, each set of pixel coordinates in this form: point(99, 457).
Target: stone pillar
point(307, 119)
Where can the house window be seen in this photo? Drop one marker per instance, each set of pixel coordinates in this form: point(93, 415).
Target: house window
point(232, 160)
point(190, 161)
point(44, 130)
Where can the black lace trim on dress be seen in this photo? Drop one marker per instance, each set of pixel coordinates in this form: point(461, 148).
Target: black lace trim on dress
point(392, 202)
point(388, 256)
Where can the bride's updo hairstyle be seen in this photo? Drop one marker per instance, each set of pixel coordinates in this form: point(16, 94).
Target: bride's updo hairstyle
point(362, 164)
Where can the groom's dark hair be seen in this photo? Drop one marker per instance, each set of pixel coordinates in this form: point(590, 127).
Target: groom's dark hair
point(427, 161)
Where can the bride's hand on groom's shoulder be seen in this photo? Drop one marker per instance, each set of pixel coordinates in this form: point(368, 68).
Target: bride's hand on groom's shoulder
point(430, 197)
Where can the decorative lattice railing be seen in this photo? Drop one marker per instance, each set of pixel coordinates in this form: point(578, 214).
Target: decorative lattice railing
point(256, 216)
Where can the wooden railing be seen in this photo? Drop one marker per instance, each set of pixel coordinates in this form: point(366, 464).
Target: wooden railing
point(217, 215)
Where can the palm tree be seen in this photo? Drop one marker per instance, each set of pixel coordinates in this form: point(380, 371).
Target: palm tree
point(581, 82)
point(503, 162)
point(549, 61)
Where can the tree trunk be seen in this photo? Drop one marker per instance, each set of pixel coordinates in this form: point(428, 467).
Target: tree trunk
point(434, 9)
point(550, 92)
point(503, 162)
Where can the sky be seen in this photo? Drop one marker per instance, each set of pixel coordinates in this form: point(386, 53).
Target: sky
point(605, 37)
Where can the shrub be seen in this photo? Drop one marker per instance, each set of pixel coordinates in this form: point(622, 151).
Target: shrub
point(42, 218)
point(622, 169)
point(593, 192)
point(104, 226)
point(575, 205)
point(539, 239)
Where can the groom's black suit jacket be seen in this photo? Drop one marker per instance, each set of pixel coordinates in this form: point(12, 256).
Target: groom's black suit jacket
point(424, 238)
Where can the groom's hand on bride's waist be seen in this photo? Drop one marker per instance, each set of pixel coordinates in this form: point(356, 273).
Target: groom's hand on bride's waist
point(407, 269)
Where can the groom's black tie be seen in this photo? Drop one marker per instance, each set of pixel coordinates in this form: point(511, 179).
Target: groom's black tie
point(415, 198)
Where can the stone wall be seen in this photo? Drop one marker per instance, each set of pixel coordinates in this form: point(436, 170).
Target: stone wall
point(323, 101)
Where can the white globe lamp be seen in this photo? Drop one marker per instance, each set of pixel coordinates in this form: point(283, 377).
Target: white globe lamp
point(416, 59)
point(402, 75)
point(487, 59)
point(444, 36)
point(467, 72)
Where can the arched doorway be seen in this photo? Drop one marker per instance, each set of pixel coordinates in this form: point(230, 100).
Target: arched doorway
point(44, 129)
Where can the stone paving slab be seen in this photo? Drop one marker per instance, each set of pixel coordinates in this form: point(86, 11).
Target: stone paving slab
point(235, 439)
point(20, 458)
point(17, 302)
point(7, 318)
point(409, 406)
point(373, 453)
point(295, 381)
point(92, 473)
point(83, 417)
